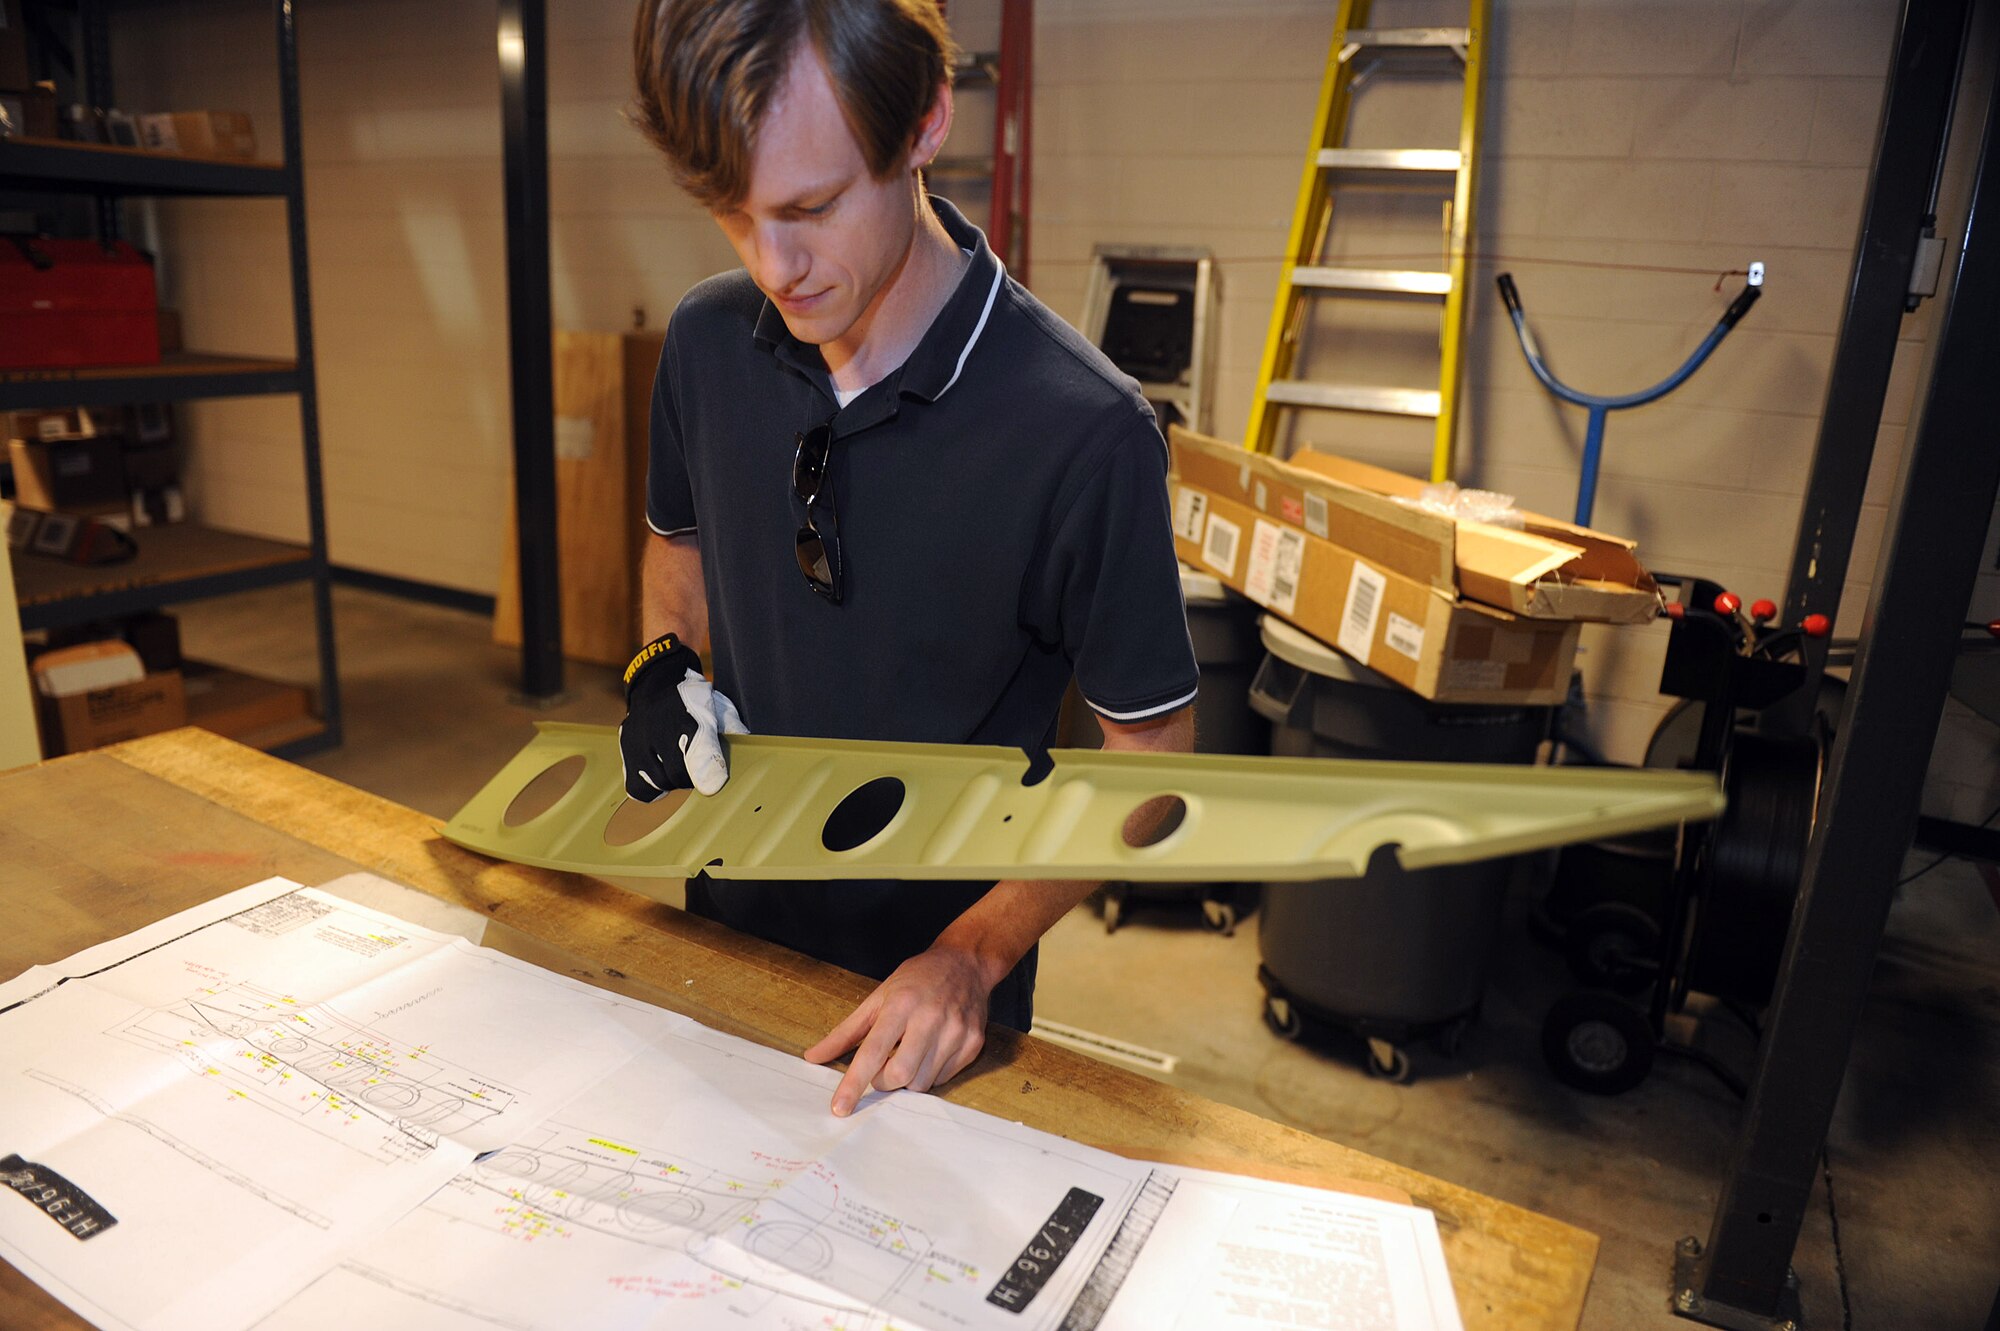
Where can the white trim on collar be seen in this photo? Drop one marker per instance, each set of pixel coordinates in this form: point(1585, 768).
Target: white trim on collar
point(999, 272)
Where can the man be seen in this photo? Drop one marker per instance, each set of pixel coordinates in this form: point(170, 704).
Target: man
point(892, 496)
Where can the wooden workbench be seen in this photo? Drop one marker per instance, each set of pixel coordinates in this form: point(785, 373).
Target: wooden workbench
point(92, 847)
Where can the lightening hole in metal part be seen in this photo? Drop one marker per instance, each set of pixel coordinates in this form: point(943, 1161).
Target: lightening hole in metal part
point(540, 795)
point(633, 820)
point(1154, 821)
point(860, 818)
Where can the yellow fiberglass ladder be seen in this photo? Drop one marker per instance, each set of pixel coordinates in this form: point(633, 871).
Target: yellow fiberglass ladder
point(1360, 53)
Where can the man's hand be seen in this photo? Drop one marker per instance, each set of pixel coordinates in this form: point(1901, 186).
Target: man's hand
point(920, 1027)
point(674, 721)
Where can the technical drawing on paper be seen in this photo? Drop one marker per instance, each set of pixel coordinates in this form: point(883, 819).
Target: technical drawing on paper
point(793, 1220)
point(310, 1061)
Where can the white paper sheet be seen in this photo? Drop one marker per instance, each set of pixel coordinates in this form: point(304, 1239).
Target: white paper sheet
point(247, 1092)
point(657, 1199)
point(299, 1113)
point(1242, 1254)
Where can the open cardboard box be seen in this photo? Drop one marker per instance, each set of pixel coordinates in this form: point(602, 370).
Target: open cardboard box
point(1422, 636)
point(1550, 570)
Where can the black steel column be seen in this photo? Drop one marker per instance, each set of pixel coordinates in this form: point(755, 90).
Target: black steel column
point(1868, 807)
point(1916, 114)
point(530, 334)
point(96, 41)
point(308, 371)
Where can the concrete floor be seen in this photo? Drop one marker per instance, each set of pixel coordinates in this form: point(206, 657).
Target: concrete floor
point(1904, 1227)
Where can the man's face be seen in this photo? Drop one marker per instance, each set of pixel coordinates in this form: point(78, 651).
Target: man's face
point(817, 232)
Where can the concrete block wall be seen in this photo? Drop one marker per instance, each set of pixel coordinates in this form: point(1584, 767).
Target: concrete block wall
point(401, 119)
point(1634, 151)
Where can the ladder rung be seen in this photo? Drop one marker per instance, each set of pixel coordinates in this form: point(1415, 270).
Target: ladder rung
point(1408, 282)
point(1403, 39)
point(1344, 397)
point(1389, 159)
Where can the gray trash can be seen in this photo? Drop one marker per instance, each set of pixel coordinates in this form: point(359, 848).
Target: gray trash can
point(1395, 955)
point(1228, 648)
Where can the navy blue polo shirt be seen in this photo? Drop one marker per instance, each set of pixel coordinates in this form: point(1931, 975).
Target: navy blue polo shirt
point(1000, 506)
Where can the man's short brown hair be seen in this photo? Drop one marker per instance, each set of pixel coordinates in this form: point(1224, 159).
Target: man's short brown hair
point(707, 70)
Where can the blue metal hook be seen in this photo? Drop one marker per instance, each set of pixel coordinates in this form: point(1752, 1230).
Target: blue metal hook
point(1600, 405)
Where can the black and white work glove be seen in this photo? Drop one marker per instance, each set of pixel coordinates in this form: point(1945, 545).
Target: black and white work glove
point(674, 721)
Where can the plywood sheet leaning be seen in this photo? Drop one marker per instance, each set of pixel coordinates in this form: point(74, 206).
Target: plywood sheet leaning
point(603, 387)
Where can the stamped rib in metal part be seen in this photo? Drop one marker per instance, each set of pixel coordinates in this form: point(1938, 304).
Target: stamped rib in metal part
point(827, 809)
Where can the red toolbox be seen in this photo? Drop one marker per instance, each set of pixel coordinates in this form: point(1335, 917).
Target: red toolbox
point(74, 302)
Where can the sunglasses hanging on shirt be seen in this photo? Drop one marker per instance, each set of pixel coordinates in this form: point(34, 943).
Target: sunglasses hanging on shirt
point(812, 482)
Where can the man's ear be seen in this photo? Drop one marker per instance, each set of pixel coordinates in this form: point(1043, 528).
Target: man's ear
point(932, 130)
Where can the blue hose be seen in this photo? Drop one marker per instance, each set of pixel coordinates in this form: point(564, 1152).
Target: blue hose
point(1601, 405)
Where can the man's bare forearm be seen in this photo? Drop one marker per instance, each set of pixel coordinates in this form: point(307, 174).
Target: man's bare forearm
point(672, 598)
point(1001, 926)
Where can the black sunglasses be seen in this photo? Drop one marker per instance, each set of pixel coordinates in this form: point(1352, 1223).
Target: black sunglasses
point(819, 556)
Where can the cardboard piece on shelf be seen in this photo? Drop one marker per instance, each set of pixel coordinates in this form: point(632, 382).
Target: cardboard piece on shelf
point(244, 707)
point(1549, 570)
point(199, 133)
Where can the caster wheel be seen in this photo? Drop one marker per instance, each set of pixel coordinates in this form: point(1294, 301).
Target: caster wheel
point(1388, 1063)
point(1282, 1017)
point(1451, 1040)
point(1614, 945)
point(1219, 916)
point(1114, 910)
point(1597, 1042)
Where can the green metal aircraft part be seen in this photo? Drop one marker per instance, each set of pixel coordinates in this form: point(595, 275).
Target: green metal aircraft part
point(960, 811)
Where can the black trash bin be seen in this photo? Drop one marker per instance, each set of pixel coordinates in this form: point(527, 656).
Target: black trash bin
point(1395, 955)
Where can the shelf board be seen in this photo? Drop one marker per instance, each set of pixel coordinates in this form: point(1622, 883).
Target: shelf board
point(180, 562)
point(178, 376)
point(38, 165)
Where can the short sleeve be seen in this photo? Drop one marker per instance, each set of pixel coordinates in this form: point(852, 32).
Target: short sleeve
point(1109, 587)
point(669, 497)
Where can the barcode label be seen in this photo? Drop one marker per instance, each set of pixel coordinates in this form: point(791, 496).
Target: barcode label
point(1190, 507)
point(1405, 636)
point(1364, 608)
point(1263, 566)
point(1285, 580)
point(1219, 550)
point(1316, 515)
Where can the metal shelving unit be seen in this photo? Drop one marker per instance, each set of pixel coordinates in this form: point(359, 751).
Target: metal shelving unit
point(183, 562)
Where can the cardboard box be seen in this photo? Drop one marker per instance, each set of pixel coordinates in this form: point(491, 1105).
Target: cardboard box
point(85, 476)
point(1422, 636)
point(29, 113)
point(247, 708)
point(199, 133)
point(108, 716)
point(1550, 570)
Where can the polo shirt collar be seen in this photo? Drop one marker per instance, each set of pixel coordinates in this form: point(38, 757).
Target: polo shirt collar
point(940, 356)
